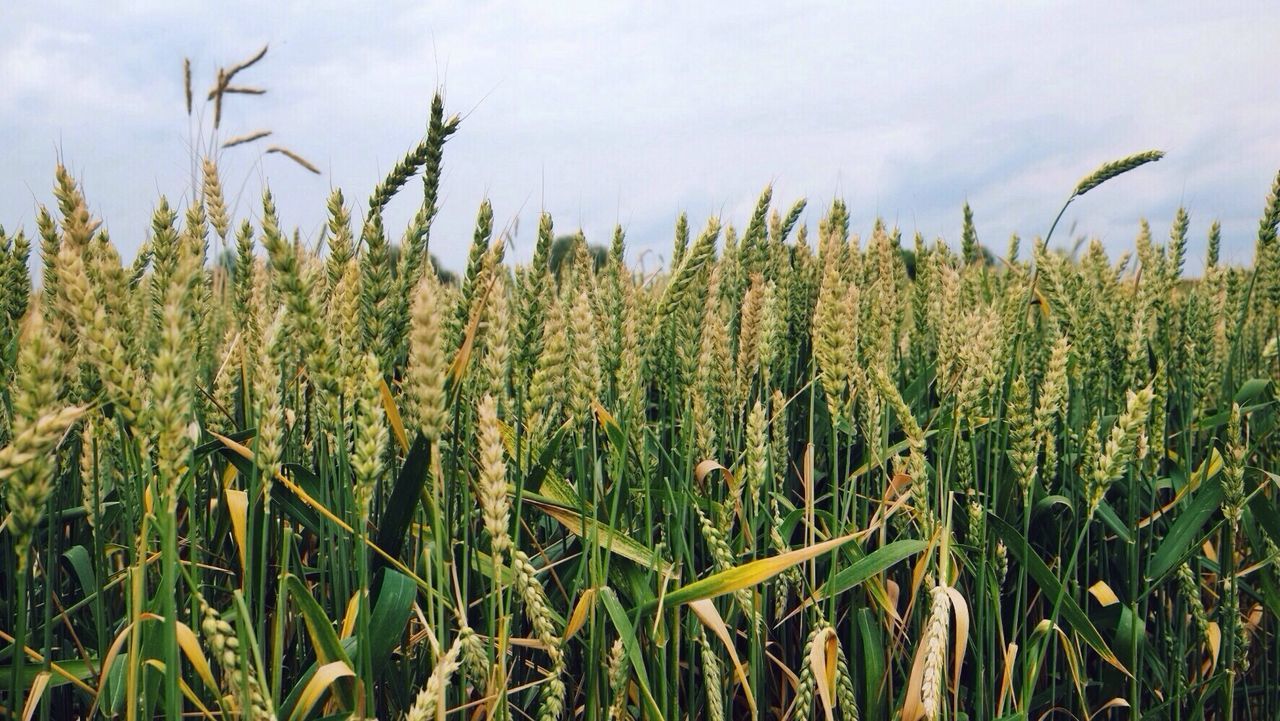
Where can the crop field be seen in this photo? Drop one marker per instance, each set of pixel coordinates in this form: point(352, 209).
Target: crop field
point(807, 470)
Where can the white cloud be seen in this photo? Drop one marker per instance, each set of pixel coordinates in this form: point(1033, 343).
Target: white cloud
point(632, 112)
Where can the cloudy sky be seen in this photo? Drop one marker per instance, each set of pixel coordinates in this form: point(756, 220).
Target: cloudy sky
point(633, 112)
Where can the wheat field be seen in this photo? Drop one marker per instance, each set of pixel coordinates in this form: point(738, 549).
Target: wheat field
point(796, 474)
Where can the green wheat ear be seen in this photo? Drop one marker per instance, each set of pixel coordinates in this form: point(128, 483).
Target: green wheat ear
point(1114, 168)
point(1105, 172)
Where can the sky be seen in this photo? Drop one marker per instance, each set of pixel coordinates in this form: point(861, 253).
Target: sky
point(632, 112)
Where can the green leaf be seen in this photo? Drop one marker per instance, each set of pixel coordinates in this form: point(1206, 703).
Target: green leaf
point(78, 558)
point(604, 536)
point(394, 524)
point(324, 638)
point(872, 642)
point(872, 564)
point(111, 693)
point(555, 487)
point(1071, 611)
point(537, 476)
point(630, 582)
point(389, 617)
point(1182, 537)
point(482, 563)
point(1210, 691)
point(1251, 390)
point(1048, 503)
point(1130, 630)
point(1265, 513)
point(627, 633)
point(1112, 521)
point(294, 506)
point(612, 429)
point(77, 667)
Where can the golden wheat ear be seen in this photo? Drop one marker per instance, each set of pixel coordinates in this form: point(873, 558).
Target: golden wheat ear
point(186, 82)
point(294, 157)
point(245, 138)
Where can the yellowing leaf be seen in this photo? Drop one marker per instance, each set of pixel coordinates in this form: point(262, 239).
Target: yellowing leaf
point(349, 618)
point(190, 646)
point(1042, 302)
point(706, 612)
point(1103, 594)
point(238, 509)
point(325, 676)
point(1006, 678)
point(1073, 662)
point(34, 694)
point(229, 474)
point(1208, 469)
point(460, 361)
point(393, 417)
point(960, 609)
point(241, 450)
point(1215, 642)
point(186, 690)
point(822, 661)
point(604, 536)
point(1210, 552)
point(749, 574)
point(579, 616)
point(706, 468)
point(1116, 702)
point(64, 673)
point(603, 415)
point(912, 704)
